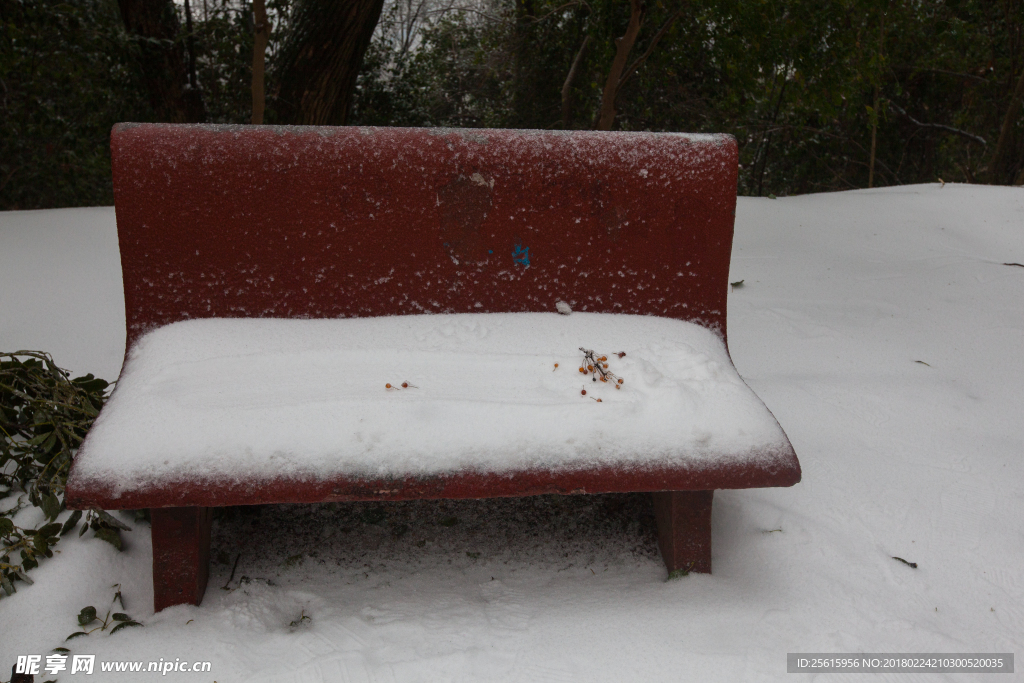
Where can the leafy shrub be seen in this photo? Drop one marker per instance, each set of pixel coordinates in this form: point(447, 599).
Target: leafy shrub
point(44, 416)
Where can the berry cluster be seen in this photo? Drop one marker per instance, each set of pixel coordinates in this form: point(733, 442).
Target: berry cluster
point(405, 385)
point(597, 366)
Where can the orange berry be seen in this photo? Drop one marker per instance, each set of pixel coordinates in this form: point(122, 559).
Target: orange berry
point(556, 365)
point(603, 379)
point(584, 392)
point(605, 366)
point(617, 386)
point(603, 358)
point(599, 400)
point(590, 368)
point(620, 380)
point(387, 386)
point(405, 385)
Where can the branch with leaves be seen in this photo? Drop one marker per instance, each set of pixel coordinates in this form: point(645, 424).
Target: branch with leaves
point(44, 416)
point(113, 620)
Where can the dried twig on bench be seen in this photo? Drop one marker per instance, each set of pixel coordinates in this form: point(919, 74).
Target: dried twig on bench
point(598, 366)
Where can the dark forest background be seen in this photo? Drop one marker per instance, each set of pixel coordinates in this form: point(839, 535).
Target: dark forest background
point(821, 94)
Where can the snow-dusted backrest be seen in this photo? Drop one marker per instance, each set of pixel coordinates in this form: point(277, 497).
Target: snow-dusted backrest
point(318, 222)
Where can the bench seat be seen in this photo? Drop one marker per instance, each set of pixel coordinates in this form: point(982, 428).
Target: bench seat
point(228, 411)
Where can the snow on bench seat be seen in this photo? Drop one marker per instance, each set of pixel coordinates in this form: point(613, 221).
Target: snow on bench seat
point(238, 404)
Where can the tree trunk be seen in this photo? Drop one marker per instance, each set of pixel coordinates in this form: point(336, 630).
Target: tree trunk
point(524, 66)
point(261, 37)
point(321, 59)
point(1004, 167)
point(623, 46)
point(874, 142)
point(154, 26)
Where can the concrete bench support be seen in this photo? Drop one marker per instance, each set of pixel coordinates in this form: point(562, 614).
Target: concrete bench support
point(684, 529)
point(181, 555)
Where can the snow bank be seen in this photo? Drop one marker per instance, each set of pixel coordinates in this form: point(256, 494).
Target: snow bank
point(246, 398)
point(843, 293)
point(60, 287)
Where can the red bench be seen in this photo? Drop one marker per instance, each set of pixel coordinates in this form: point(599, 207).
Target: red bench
point(310, 223)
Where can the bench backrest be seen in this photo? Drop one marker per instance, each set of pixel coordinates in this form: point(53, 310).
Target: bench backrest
point(317, 222)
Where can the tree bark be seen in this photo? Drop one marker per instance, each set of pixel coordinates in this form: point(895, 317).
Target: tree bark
point(874, 141)
point(623, 46)
point(1004, 168)
point(261, 37)
point(321, 59)
point(524, 66)
point(154, 26)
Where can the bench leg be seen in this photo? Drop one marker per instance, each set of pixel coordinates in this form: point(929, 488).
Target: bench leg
point(684, 529)
point(181, 555)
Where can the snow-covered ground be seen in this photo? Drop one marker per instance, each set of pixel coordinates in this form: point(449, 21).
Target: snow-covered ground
point(881, 327)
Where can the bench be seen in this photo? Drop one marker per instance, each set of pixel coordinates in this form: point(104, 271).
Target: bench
point(342, 260)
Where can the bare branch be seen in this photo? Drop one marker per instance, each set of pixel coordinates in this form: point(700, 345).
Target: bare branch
point(567, 86)
point(574, 3)
point(836, 136)
point(631, 69)
point(940, 126)
point(971, 77)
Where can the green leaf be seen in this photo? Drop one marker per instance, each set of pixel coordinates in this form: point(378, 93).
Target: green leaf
point(6, 526)
point(49, 443)
point(124, 624)
point(87, 615)
point(75, 635)
point(60, 649)
point(40, 544)
point(120, 616)
point(111, 536)
point(38, 439)
point(110, 520)
point(24, 577)
point(71, 522)
point(50, 530)
point(6, 584)
point(88, 407)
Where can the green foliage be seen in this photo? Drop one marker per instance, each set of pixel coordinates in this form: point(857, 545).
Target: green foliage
point(66, 75)
point(799, 83)
point(44, 416)
point(803, 85)
point(114, 621)
point(223, 33)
